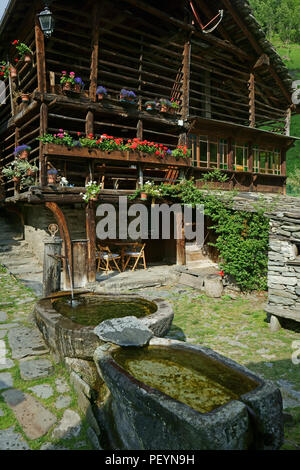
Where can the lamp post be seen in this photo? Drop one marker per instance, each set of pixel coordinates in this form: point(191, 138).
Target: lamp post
point(46, 20)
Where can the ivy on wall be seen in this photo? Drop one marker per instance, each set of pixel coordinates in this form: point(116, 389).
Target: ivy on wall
point(242, 237)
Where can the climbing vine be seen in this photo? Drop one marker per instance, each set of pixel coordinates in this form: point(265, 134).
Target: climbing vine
point(242, 237)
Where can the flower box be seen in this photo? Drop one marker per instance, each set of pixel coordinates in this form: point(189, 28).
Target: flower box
point(137, 157)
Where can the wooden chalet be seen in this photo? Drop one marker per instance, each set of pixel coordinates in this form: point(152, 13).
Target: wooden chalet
point(233, 90)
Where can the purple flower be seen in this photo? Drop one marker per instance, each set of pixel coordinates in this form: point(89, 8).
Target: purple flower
point(21, 149)
point(101, 90)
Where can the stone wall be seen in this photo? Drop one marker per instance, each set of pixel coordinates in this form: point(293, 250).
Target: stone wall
point(38, 218)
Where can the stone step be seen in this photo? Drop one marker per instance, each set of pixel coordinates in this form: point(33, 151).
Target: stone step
point(17, 259)
point(25, 269)
point(13, 246)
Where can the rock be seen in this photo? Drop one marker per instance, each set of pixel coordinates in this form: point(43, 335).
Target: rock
point(26, 342)
point(285, 280)
point(35, 369)
point(274, 324)
point(6, 380)
point(127, 331)
point(50, 446)
point(3, 317)
point(8, 326)
point(195, 282)
point(62, 386)
point(6, 363)
point(3, 333)
point(80, 385)
point(80, 444)
point(26, 301)
point(11, 440)
point(70, 426)
point(85, 369)
point(42, 391)
point(276, 299)
point(33, 417)
point(92, 436)
point(213, 287)
point(62, 401)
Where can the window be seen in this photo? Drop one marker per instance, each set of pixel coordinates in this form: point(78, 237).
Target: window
point(266, 161)
point(240, 155)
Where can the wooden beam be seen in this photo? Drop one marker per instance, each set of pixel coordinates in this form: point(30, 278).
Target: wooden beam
point(252, 100)
point(89, 123)
point(287, 126)
point(95, 53)
point(91, 237)
point(40, 57)
point(186, 69)
point(262, 62)
point(43, 130)
point(65, 235)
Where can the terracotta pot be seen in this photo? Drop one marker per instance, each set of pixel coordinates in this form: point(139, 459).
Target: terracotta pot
point(67, 86)
point(144, 196)
point(149, 107)
point(100, 96)
point(27, 58)
point(52, 179)
point(24, 155)
point(163, 108)
point(94, 198)
point(77, 88)
point(25, 98)
point(13, 72)
point(16, 179)
point(30, 172)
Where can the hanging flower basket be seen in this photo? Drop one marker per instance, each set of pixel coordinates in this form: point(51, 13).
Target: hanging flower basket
point(22, 152)
point(101, 93)
point(144, 196)
point(52, 176)
point(25, 97)
point(13, 72)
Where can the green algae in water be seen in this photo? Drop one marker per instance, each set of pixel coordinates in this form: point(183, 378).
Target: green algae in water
point(90, 310)
point(189, 377)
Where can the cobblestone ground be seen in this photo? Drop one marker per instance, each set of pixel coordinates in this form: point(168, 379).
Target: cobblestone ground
point(236, 327)
point(38, 407)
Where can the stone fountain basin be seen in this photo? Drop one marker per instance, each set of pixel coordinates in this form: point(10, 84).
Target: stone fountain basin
point(136, 416)
point(69, 339)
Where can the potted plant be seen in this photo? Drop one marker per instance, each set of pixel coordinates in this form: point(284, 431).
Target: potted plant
point(150, 105)
point(127, 96)
point(25, 97)
point(4, 69)
point(22, 152)
point(20, 171)
point(101, 92)
point(25, 53)
point(92, 191)
point(149, 189)
point(13, 72)
point(79, 84)
point(164, 105)
point(175, 105)
point(52, 175)
point(67, 80)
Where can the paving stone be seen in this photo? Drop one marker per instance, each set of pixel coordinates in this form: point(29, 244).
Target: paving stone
point(63, 402)
point(26, 342)
point(42, 391)
point(62, 386)
point(69, 426)
point(33, 417)
point(6, 380)
point(50, 446)
point(6, 363)
point(26, 301)
point(35, 369)
point(3, 317)
point(3, 333)
point(11, 440)
point(8, 326)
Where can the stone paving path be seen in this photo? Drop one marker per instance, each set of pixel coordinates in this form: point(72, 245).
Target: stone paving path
point(38, 406)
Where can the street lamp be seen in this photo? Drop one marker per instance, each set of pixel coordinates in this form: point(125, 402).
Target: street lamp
point(46, 21)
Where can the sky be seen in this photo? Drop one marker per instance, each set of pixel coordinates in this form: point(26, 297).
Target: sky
point(3, 4)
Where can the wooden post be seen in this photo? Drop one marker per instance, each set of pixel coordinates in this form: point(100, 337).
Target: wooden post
point(52, 266)
point(80, 263)
point(283, 162)
point(180, 242)
point(139, 132)
point(40, 57)
point(207, 97)
point(250, 163)
point(252, 100)
point(90, 214)
point(95, 53)
point(230, 154)
point(89, 123)
point(43, 130)
point(186, 68)
point(287, 125)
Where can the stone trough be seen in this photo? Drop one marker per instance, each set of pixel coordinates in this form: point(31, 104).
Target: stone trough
point(175, 396)
point(67, 337)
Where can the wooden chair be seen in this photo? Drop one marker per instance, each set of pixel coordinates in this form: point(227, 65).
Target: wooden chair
point(138, 255)
point(104, 257)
